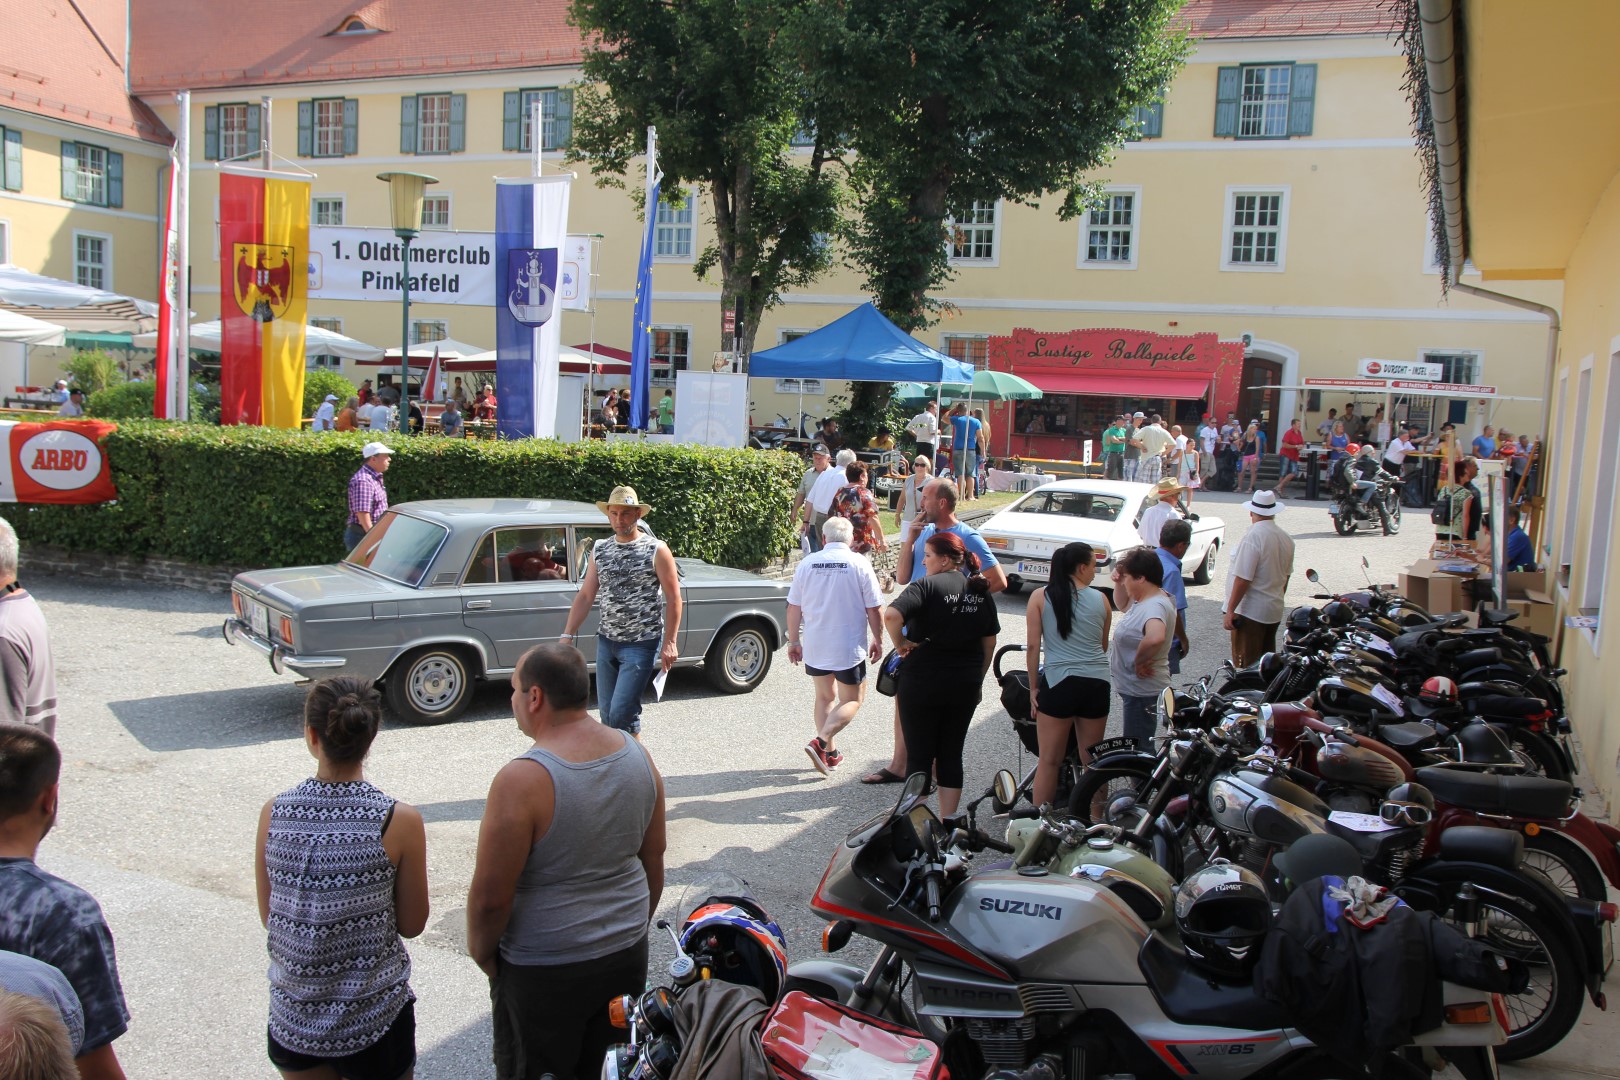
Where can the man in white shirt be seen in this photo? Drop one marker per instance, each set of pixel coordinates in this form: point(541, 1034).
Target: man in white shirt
point(326, 415)
point(382, 415)
point(1395, 453)
point(1154, 517)
point(1262, 563)
point(74, 405)
point(924, 427)
point(1154, 440)
point(1207, 434)
point(833, 602)
point(362, 416)
point(807, 525)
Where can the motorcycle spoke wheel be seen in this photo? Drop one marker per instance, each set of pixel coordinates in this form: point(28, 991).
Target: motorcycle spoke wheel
point(1544, 1013)
point(1566, 864)
point(1113, 795)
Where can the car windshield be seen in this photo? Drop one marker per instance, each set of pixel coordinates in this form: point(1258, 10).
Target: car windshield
point(1080, 504)
point(399, 547)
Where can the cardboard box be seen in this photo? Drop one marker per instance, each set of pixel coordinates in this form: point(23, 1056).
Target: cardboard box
point(1427, 586)
point(1543, 614)
point(1523, 581)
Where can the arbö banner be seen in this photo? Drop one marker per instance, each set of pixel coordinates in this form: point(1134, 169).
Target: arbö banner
point(59, 461)
point(446, 267)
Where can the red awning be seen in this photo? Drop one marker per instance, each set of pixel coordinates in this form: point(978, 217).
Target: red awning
point(1129, 384)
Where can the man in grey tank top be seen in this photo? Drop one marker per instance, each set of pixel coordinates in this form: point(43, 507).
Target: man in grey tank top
point(636, 634)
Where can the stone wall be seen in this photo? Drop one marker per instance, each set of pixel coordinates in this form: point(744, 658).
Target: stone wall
point(39, 559)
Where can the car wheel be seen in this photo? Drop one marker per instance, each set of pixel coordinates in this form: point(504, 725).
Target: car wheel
point(1206, 569)
point(739, 658)
point(1015, 585)
point(429, 685)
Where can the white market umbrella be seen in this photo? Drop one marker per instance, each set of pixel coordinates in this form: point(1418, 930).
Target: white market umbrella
point(209, 337)
point(445, 349)
point(73, 306)
point(24, 330)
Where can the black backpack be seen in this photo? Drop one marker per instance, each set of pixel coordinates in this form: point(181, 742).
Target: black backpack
point(1445, 508)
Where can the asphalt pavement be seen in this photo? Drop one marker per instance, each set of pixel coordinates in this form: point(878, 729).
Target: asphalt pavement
point(173, 740)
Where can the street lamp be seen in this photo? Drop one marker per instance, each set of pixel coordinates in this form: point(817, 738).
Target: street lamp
point(405, 211)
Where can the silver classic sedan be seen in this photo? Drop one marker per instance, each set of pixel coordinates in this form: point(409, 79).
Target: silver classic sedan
point(442, 593)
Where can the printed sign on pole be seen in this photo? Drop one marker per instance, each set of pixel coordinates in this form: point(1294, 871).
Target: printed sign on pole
point(60, 461)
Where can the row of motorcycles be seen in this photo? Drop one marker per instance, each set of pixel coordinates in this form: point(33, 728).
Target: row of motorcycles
point(1114, 935)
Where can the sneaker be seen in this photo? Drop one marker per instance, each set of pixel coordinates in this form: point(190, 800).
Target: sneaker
point(818, 756)
point(834, 759)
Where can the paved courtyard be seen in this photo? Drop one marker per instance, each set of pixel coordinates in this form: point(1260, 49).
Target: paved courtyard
point(173, 741)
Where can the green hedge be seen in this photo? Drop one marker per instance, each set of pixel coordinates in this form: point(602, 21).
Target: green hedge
point(265, 497)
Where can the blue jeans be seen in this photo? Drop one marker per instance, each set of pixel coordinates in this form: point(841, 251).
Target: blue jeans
point(352, 535)
point(623, 670)
point(1141, 716)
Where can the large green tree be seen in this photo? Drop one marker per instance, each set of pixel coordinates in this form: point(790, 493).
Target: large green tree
point(713, 77)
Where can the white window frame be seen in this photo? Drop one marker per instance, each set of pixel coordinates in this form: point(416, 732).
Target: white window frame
point(314, 210)
point(449, 210)
point(1577, 470)
point(333, 323)
point(86, 181)
point(1233, 192)
point(785, 334)
point(691, 241)
point(416, 324)
point(945, 346)
point(1135, 192)
point(669, 380)
point(422, 126)
point(106, 257)
point(526, 99)
point(1265, 102)
point(1595, 579)
point(5, 240)
point(994, 259)
point(233, 144)
point(332, 133)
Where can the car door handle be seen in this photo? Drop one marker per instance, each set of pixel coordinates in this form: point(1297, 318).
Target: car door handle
point(476, 605)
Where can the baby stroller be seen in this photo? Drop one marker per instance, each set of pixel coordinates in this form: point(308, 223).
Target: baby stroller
point(1226, 470)
point(1015, 698)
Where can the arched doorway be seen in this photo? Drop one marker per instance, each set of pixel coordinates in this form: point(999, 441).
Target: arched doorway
point(1261, 405)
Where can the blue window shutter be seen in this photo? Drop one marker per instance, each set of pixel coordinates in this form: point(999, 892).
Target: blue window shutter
point(458, 123)
point(512, 120)
point(1228, 94)
point(13, 166)
point(115, 178)
point(562, 125)
point(70, 171)
point(211, 133)
point(351, 126)
point(1150, 120)
point(306, 129)
point(407, 124)
point(1302, 99)
point(254, 138)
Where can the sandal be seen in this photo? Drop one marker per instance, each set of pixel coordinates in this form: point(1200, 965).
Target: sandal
point(882, 776)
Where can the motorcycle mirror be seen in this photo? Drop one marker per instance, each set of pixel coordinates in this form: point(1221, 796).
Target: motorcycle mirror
point(916, 787)
point(1005, 791)
point(1167, 707)
point(1310, 575)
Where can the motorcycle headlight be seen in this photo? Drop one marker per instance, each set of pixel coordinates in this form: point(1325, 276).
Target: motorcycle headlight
point(1180, 751)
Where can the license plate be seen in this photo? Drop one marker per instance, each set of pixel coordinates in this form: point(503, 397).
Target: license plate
point(258, 619)
point(1108, 746)
point(1040, 569)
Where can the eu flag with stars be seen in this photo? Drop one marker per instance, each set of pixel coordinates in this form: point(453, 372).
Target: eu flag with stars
point(641, 335)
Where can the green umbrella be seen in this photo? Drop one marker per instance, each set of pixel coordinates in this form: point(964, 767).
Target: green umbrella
point(987, 386)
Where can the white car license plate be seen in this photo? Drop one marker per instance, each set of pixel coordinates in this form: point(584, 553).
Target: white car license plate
point(1040, 569)
point(258, 619)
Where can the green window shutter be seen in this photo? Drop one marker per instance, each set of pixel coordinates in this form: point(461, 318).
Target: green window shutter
point(70, 171)
point(512, 120)
point(351, 126)
point(115, 178)
point(211, 133)
point(1302, 99)
point(458, 123)
point(254, 138)
point(407, 124)
point(1228, 94)
point(306, 129)
point(13, 166)
point(563, 124)
point(1150, 120)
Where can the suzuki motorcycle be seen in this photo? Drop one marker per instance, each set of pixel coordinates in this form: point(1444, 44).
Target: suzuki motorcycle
point(1028, 974)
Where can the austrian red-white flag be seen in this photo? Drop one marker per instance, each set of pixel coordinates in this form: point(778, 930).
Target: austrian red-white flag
point(172, 355)
point(430, 385)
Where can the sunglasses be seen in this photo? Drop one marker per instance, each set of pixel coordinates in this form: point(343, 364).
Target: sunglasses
point(1405, 814)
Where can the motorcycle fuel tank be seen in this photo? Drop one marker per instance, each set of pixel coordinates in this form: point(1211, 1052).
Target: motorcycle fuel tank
point(1048, 928)
point(1153, 878)
point(1358, 765)
point(1251, 804)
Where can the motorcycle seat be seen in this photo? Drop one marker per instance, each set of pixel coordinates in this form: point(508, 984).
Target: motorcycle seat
point(1408, 736)
point(1423, 710)
point(1516, 796)
point(1477, 658)
point(1189, 996)
point(1503, 705)
point(1496, 616)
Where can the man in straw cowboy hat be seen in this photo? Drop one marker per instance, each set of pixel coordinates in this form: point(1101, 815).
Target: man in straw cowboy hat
point(1167, 491)
point(636, 635)
point(1262, 562)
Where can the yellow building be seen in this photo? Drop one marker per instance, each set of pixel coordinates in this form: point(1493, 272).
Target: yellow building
point(1535, 199)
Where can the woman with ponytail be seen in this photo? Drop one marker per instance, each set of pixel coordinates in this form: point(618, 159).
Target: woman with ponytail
point(342, 876)
point(945, 627)
point(1067, 621)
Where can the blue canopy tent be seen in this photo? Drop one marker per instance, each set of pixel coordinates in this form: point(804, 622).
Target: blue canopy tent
point(863, 346)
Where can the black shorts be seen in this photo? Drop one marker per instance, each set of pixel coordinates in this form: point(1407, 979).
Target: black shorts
point(386, 1059)
point(1074, 696)
point(850, 676)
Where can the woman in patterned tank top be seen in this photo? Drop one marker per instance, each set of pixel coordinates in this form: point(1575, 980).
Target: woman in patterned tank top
point(342, 876)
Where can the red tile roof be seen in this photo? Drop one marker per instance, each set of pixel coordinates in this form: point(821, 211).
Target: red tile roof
point(67, 63)
point(1286, 18)
point(186, 44)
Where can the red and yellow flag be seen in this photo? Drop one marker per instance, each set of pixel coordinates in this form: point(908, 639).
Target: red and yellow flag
point(263, 265)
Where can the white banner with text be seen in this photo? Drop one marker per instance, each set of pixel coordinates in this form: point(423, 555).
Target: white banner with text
point(446, 267)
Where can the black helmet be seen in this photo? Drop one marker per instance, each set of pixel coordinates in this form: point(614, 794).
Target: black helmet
point(1411, 793)
point(1271, 665)
point(1338, 614)
point(1223, 914)
point(1319, 855)
point(1302, 620)
point(1482, 746)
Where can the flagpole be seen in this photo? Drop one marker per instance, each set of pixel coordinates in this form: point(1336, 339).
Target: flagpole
point(180, 377)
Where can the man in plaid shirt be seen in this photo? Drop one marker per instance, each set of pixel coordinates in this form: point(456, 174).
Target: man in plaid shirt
point(368, 499)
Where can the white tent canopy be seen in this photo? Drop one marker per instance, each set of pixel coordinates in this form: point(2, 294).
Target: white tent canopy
point(75, 307)
point(447, 348)
point(22, 330)
point(208, 337)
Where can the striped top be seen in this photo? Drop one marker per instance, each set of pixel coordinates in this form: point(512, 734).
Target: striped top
point(339, 973)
